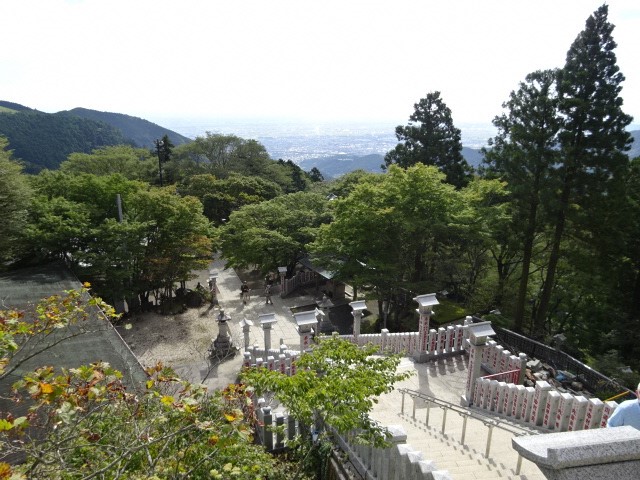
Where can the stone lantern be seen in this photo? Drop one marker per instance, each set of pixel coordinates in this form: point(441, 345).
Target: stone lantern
point(266, 320)
point(358, 307)
point(425, 305)
point(307, 326)
point(222, 345)
point(324, 305)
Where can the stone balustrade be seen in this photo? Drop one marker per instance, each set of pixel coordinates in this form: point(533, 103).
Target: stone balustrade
point(541, 406)
point(396, 462)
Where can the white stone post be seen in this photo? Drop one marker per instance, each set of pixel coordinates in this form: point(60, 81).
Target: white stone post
point(425, 304)
point(478, 334)
point(283, 273)
point(266, 320)
point(563, 412)
point(550, 410)
point(358, 307)
point(594, 414)
point(307, 326)
point(246, 328)
point(539, 402)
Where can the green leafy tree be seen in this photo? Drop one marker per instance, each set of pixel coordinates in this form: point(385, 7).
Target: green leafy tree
point(132, 163)
point(177, 238)
point(220, 197)
point(315, 175)
point(593, 139)
point(337, 384)
point(392, 232)
point(483, 240)
point(524, 154)
point(164, 151)
point(432, 139)
point(273, 233)
point(15, 198)
point(162, 239)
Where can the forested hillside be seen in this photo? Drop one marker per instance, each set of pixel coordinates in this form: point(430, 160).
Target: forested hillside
point(43, 140)
point(142, 132)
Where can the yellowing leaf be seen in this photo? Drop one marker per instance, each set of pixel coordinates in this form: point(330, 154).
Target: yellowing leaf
point(46, 388)
point(167, 399)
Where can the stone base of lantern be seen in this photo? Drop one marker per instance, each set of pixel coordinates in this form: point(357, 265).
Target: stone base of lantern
point(221, 347)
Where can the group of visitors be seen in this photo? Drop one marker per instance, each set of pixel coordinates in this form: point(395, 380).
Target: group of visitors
point(245, 291)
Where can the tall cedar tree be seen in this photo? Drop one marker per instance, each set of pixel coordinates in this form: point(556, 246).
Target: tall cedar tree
point(432, 139)
point(523, 154)
point(592, 139)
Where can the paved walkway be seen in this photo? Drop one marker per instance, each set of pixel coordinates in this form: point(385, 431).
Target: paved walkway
point(444, 380)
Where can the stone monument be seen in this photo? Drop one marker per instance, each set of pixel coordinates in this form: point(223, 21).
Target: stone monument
point(222, 345)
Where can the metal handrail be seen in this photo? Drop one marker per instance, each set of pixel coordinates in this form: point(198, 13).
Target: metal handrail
point(489, 422)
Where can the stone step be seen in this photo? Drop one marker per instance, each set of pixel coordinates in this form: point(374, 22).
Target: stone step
point(463, 462)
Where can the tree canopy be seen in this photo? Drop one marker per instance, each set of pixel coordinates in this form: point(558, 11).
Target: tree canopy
point(432, 139)
point(15, 197)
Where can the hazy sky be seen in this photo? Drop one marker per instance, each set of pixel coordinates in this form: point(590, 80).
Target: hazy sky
point(326, 59)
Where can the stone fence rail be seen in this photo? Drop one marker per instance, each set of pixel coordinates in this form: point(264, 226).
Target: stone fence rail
point(542, 406)
point(301, 278)
point(399, 461)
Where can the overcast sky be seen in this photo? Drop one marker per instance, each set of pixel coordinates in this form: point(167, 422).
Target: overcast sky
point(320, 60)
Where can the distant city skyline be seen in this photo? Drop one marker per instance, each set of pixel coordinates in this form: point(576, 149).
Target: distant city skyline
point(310, 61)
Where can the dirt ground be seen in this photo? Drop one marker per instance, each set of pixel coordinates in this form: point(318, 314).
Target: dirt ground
point(171, 339)
point(182, 340)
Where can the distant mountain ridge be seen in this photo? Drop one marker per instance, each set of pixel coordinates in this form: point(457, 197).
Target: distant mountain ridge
point(142, 132)
point(334, 166)
point(44, 140)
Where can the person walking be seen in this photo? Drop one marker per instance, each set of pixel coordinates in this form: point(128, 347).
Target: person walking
point(244, 292)
point(267, 294)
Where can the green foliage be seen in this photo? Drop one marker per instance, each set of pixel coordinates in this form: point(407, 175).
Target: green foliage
point(132, 163)
point(220, 197)
point(393, 232)
point(336, 384)
point(45, 140)
point(15, 197)
point(163, 237)
point(431, 138)
point(273, 233)
point(141, 132)
point(448, 311)
point(83, 422)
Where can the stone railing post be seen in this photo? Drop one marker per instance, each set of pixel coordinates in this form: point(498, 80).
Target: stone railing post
point(246, 328)
point(307, 327)
point(425, 304)
point(266, 320)
point(283, 285)
point(358, 307)
point(478, 334)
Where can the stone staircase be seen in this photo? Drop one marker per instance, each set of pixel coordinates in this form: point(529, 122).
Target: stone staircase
point(466, 461)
